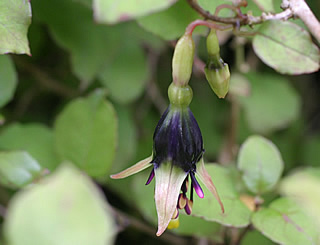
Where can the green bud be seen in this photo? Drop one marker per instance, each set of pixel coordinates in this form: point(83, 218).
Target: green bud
point(180, 96)
point(183, 60)
point(218, 75)
point(213, 47)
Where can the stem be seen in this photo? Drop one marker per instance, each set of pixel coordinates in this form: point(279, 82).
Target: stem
point(190, 28)
point(292, 8)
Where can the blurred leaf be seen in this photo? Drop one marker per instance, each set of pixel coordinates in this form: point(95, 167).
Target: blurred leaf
point(127, 144)
point(303, 187)
point(15, 18)
point(197, 227)
point(8, 81)
point(36, 139)
point(86, 133)
point(210, 6)
point(87, 3)
point(265, 5)
point(255, 237)
point(111, 11)
point(18, 169)
point(286, 47)
point(89, 44)
point(272, 103)
point(64, 209)
point(125, 76)
point(310, 151)
point(171, 23)
point(261, 164)
point(236, 213)
point(285, 223)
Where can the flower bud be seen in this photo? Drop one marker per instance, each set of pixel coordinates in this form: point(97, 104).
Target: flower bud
point(183, 60)
point(180, 96)
point(218, 76)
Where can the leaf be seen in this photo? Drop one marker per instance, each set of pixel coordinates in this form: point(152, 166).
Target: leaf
point(286, 47)
point(255, 237)
point(77, 214)
point(90, 45)
point(261, 164)
point(265, 5)
point(285, 223)
point(110, 11)
point(15, 18)
point(85, 133)
point(8, 81)
point(211, 6)
point(236, 212)
point(126, 75)
point(17, 169)
point(303, 187)
point(171, 23)
point(18, 137)
point(210, 230)
point(310, 151)
point(264, 114)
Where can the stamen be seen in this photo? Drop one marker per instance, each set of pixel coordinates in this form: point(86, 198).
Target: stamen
point(182, 201)
point(188, 207)
point(151, 176)
point(196, 185)
point(175, 214)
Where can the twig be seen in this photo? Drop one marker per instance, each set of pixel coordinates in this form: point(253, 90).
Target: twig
point(301, 9)
point(127, 220)
point(292, 8)
point(44, 79)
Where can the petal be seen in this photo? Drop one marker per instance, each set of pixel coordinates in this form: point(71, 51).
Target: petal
point(169, 179)
point(143, 164)
point(207, 181)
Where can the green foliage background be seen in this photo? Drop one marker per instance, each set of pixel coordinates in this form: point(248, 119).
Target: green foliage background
point(83, 101)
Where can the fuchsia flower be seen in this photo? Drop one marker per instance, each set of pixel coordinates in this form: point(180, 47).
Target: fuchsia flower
point(177, 155)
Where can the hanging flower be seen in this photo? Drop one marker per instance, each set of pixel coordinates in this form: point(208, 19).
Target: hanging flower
point(176, 160)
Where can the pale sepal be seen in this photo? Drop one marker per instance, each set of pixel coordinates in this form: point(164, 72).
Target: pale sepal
point(139, 166)
point(205, 178)
point(169, 180)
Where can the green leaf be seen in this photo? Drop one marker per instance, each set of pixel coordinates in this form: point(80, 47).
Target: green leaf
point(17, 169)
point(261, 164)
point(265, 5)
point(284, 222)
point(265, 114)
point(85, 133)
point(126, 76)
point(211, 6)
point(236, 212)
point(110, 11)
point(66, 208)
point(204, 228)
point(255, 237)
point(286, 47)
point(171, 23)
point(310, 151)
point(303, 187)
point(89, 44)
point(127, 144)
point(15, 18)
point(8, 81)
point(18, 137)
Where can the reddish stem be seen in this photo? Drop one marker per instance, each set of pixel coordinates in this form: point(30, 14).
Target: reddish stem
point(190, 28)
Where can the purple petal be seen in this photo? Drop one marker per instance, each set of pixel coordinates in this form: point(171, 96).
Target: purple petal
point(150, 177)
point(196, 185)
